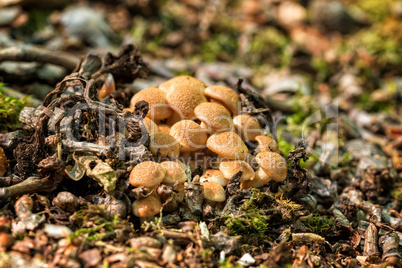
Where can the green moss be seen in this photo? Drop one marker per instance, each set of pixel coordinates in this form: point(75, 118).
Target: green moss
point(321, 225)
point(251, 223)
point(382, 42)
point(222, 46)
point(397, 193)
point(100, 224)
point(268, 46)
point(246, 224)
point(10, 109)
point(284, 146)
point(376, 10)
point(37, 21)
point(366, 103)
point(227, 264)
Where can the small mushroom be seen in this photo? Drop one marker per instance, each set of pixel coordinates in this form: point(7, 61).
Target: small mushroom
point(162, 145)
point(150, 125)
point(190, 135)
point(227, 96)
point(261, 178)
point(273, 164)
point(173, 119)
point(168, 85)
point(265, 143)
point(108, 87)
point(164, 128)
point(66, 201)
point(183, 99)
point(227, 144)
point(147, 207)
point(213, 191)
point(175, 172)
point(156, 98)
point(214, 115)
point(147, 174)
point(214, 175)
point(247, 126)
point(6, 240)
point(230, 168)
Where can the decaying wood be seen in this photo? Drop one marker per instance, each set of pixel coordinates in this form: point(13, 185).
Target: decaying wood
point(51, 171)
point(370, 244)
point(390, 246)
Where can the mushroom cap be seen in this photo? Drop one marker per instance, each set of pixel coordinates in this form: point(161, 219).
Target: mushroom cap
point(146, 207)
point(189, 134)
point(207, 128)
point(173, 119)
point(227, 144)
point(175, 172)
point(183, 99)
point(214, 115)
point(148, 174)
point(226, 95)
point(248, 126)
point(213, 191)
point(261, 178)
point(165, 144)
point(156, 98)
point(108, 87)
point(230, 168)
point(150, 125)
point(214, 175)
point(273, 164)
point(168, 85)
point(265, 142)
point(164, 128)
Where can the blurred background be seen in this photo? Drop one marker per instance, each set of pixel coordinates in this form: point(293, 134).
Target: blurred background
point(301, 54)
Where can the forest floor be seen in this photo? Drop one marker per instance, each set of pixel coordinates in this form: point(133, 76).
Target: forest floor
point(327, 73)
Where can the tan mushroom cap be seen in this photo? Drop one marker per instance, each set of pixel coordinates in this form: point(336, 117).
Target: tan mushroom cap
point(175, 172)
point(261, 178)
point(165, 144)
point(214, 175)
point(190, 135)
point(273, 164)
point(150, 125)
point(230, 168)
point(226, 95)
point(247, 126)
point(156, 98)
point(146, 207)
point(148, 174)
point(265, 142)
point(213, 191)
point(214, 115)
point(173, 119)
point(183, 99)
point(164, 128)
point(168, 85)
point(227, 144)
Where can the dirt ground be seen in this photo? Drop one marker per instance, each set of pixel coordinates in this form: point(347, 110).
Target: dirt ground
point(323, 77)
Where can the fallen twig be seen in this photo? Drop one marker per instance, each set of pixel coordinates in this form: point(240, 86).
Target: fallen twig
point(30, 53)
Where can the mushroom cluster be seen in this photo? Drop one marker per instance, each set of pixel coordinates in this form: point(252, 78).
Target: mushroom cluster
point(192, 124)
